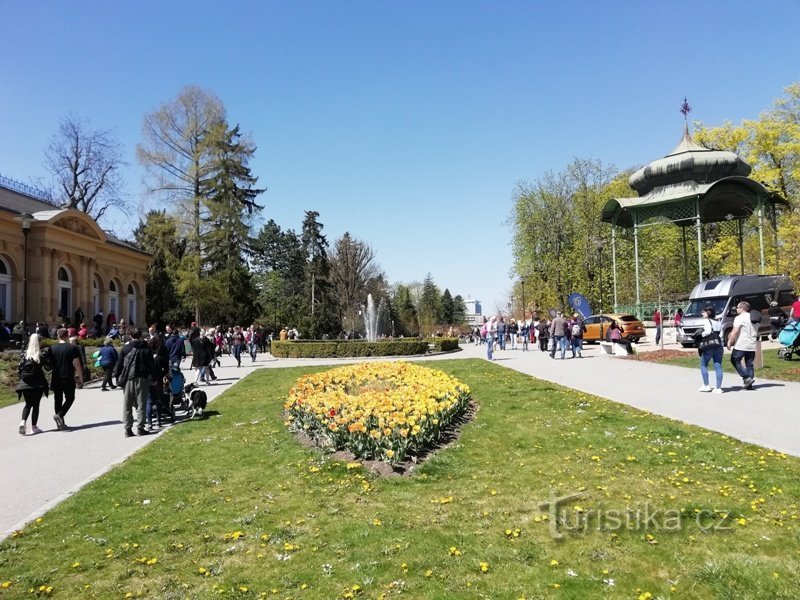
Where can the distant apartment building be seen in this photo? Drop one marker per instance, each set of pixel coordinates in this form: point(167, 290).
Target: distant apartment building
point(474, 315)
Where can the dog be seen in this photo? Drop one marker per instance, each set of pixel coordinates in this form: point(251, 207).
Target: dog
point(197, 400)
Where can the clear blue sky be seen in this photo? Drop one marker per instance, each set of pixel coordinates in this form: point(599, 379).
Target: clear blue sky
point(406, 123)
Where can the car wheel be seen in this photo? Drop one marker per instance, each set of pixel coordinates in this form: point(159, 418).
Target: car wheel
point(687, 344)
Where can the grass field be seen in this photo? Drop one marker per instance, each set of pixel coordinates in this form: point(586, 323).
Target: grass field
point(233, 506)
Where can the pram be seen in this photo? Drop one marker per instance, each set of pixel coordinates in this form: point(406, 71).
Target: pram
point(789, 338)
point(176, 384)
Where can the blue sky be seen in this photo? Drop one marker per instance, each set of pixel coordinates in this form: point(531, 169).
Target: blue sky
point(406, 123)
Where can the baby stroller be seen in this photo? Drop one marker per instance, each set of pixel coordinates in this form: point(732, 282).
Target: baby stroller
point(176, 385)
point(789, 337)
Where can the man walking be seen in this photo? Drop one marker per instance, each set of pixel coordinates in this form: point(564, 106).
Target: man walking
point(558, 331)
point(742, 341)
point(176, 348)
point(140, 372)
point(67, 374)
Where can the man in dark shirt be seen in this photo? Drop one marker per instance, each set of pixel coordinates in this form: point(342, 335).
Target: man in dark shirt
point(67, 373)
point(142, 373)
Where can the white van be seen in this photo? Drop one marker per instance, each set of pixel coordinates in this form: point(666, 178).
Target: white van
point(725, 292)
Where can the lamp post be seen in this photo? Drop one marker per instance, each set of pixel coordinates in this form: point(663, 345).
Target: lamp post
point(26, 219)
point(522, 289)
point(599, 244)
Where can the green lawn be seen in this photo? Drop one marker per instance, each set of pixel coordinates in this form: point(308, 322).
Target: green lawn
point(8, 378)
point(774, 367)
point(233, 506)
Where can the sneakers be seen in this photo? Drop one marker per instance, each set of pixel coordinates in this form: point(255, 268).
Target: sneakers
point(22, 429)
point(144, 432)
point(748, 383)
point(717, 391)
point(35, 430)
point(704, 388)
point(128, 433)
point(60, 424)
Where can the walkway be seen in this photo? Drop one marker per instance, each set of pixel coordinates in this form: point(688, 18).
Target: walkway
point(40, 471)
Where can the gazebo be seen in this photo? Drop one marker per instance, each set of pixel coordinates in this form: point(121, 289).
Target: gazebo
point(691, 186)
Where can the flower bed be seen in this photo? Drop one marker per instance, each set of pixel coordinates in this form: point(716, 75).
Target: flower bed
point(378, 411)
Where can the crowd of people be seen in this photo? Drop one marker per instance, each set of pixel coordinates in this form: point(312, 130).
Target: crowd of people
point(142, 367)
point(556, 335)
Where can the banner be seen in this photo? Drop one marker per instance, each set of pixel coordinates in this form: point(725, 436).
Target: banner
point(579, 304)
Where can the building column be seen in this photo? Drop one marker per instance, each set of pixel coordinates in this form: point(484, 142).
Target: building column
point(614, 262)
point(47, 285)
point(762, 262)
point(698, 224)
point(636, 256)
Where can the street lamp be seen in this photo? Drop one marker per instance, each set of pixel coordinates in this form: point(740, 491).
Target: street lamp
point(26, 219)
point(600, 244)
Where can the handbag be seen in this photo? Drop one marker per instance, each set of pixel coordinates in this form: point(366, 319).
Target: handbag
point(709, 341)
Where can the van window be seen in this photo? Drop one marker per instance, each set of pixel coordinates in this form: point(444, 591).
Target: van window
point(785, 298)
point(695, 306)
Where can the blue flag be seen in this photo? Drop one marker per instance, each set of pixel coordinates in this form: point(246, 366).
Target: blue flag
point(579, 304)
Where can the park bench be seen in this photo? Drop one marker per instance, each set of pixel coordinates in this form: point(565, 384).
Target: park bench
point(612, 349)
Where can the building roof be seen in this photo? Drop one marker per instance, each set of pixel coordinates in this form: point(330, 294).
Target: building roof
point(18, 199)
point(718, 178)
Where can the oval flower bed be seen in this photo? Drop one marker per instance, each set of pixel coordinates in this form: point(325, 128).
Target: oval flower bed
point(378, 411)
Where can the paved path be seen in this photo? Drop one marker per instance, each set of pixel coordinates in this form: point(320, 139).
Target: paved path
point(40, 471)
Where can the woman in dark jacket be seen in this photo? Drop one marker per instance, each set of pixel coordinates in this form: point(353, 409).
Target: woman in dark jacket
point(200, 356)
point(32, 384)
point(108, 360)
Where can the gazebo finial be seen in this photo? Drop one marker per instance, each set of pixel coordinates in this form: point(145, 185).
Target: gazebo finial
point(686, 109)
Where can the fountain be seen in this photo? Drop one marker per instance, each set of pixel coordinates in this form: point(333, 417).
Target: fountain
point(371, 315)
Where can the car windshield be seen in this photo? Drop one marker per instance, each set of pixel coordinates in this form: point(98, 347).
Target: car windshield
point(695, 306)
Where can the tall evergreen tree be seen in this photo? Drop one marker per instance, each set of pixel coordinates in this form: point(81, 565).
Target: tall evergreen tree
point(230, 197)
point(430, 309)
point(158, 232)
point(459, 311)
point(447, 308)
point(321, 318)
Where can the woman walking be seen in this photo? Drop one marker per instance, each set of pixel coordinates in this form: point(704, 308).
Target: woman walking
point(711, 349)
point(32, 384)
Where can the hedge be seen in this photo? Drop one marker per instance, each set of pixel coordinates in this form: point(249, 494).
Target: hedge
point(357, 348)
point(347, 348)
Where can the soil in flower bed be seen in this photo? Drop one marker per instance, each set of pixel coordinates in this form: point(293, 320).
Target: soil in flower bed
point(449, 435)
point(659, 355)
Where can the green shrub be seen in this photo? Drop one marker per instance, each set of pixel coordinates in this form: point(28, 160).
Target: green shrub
point(347, 348)
point(444, 344)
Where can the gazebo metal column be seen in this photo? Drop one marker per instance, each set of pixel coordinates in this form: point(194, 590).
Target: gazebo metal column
point(636, 254)
point(762, 262)
point(699, 227)
point(614, 260)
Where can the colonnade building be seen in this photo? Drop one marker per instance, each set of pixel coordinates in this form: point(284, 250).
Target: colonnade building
point(72, 264)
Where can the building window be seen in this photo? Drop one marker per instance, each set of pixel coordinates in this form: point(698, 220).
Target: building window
point(5, 290)
point(64, 293)
point(131, 303)
point(113, 299)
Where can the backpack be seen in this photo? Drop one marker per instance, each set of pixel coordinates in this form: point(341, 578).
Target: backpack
point(577, 329)
point(128, 366)
point(26, 370)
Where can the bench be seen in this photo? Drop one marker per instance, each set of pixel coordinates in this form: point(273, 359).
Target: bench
point(612, 349)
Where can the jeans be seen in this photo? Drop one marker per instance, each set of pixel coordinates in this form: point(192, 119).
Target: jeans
point(714, 353)
point(237, 354)
point(501, 338)
point(577, 346)
point(560, 344)
point(108, 372)
point(749, 356)
point(658, 334)
point(489, 347)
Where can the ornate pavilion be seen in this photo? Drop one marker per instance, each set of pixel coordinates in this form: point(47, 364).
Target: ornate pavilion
point(690, 187)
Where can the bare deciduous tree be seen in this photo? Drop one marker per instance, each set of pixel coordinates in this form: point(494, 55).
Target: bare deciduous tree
point(352, 267)
point(86, 166)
